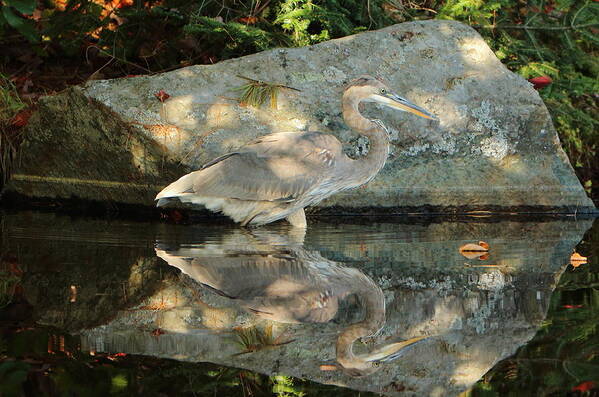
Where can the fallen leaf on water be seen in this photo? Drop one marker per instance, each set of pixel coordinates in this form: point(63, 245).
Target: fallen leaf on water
point(113, 357)
point(576, 259)
point(584, 386)
point(73, 298)
point(328, 367)
point(475, 251)
point(572, 306)
point(162, 96)
point(540, 81)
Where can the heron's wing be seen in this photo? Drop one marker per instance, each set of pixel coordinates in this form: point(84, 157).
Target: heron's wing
point(275, 167)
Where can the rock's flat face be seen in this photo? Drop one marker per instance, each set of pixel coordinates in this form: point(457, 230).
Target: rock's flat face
point(493, 148)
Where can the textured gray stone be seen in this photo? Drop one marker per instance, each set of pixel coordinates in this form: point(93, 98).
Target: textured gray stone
point(494, 148)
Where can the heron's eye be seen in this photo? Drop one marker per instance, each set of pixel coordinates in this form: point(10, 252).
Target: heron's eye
point(383, 91)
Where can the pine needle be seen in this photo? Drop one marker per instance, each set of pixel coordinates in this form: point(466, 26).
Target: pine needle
point(256, 92)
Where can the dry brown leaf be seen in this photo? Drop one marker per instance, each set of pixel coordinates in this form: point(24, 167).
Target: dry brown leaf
point(576, 259)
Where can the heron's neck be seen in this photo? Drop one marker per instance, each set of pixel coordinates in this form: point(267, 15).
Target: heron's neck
point(366, 167)
point(374, 302)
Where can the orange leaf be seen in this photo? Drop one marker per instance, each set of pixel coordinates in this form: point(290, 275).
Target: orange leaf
point(576, 259)
point(248, 20)
point(328, 367)
point(475, 251)
point(162, 96)
point(22, 118)
point(484, 245)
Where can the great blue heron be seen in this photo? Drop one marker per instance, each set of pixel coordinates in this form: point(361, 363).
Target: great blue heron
point(274, 277)
point(277, 175)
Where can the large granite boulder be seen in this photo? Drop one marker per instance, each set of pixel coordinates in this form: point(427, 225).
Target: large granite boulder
point(494, 147)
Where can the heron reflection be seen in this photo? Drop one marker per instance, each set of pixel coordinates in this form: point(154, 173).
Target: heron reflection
point(274, 277)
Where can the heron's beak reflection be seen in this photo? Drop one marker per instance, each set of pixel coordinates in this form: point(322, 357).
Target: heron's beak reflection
point(391, 351)
point(397, 102)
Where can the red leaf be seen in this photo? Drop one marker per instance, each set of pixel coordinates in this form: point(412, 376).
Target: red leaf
point(22, 118)
point(540, 81)
point(572, 306)
point(157, 332)
point(585, 386)
point(162, 96)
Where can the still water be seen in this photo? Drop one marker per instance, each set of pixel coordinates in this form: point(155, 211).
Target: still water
point(96, 307)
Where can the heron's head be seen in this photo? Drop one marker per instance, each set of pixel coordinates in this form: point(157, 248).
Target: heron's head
point(369, 89)
point(366, 364)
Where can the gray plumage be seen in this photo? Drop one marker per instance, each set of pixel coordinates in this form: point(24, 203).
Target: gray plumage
point(278, 175)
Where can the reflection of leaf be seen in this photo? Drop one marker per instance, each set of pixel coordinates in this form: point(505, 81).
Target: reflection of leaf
point(475, 251)
point(576, 259)
point(584, 386)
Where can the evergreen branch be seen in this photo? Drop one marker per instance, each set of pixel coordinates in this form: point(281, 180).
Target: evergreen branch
point(524, 27)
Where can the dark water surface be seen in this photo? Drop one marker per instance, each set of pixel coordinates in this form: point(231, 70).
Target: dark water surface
point(100, 307)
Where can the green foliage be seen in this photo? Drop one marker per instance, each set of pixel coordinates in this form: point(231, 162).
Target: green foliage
point(471, 11)
point(8, 283)
point(12, 14)
point(233, 37)
point(10, 103)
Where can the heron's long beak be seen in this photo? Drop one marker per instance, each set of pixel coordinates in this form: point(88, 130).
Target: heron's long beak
point(397, 102)
point(391, 351)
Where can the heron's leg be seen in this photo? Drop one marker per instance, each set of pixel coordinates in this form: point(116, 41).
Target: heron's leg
point(298, 218)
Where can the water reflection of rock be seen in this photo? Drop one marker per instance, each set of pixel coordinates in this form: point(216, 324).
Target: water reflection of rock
point(479, 314)
point(79, 272)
